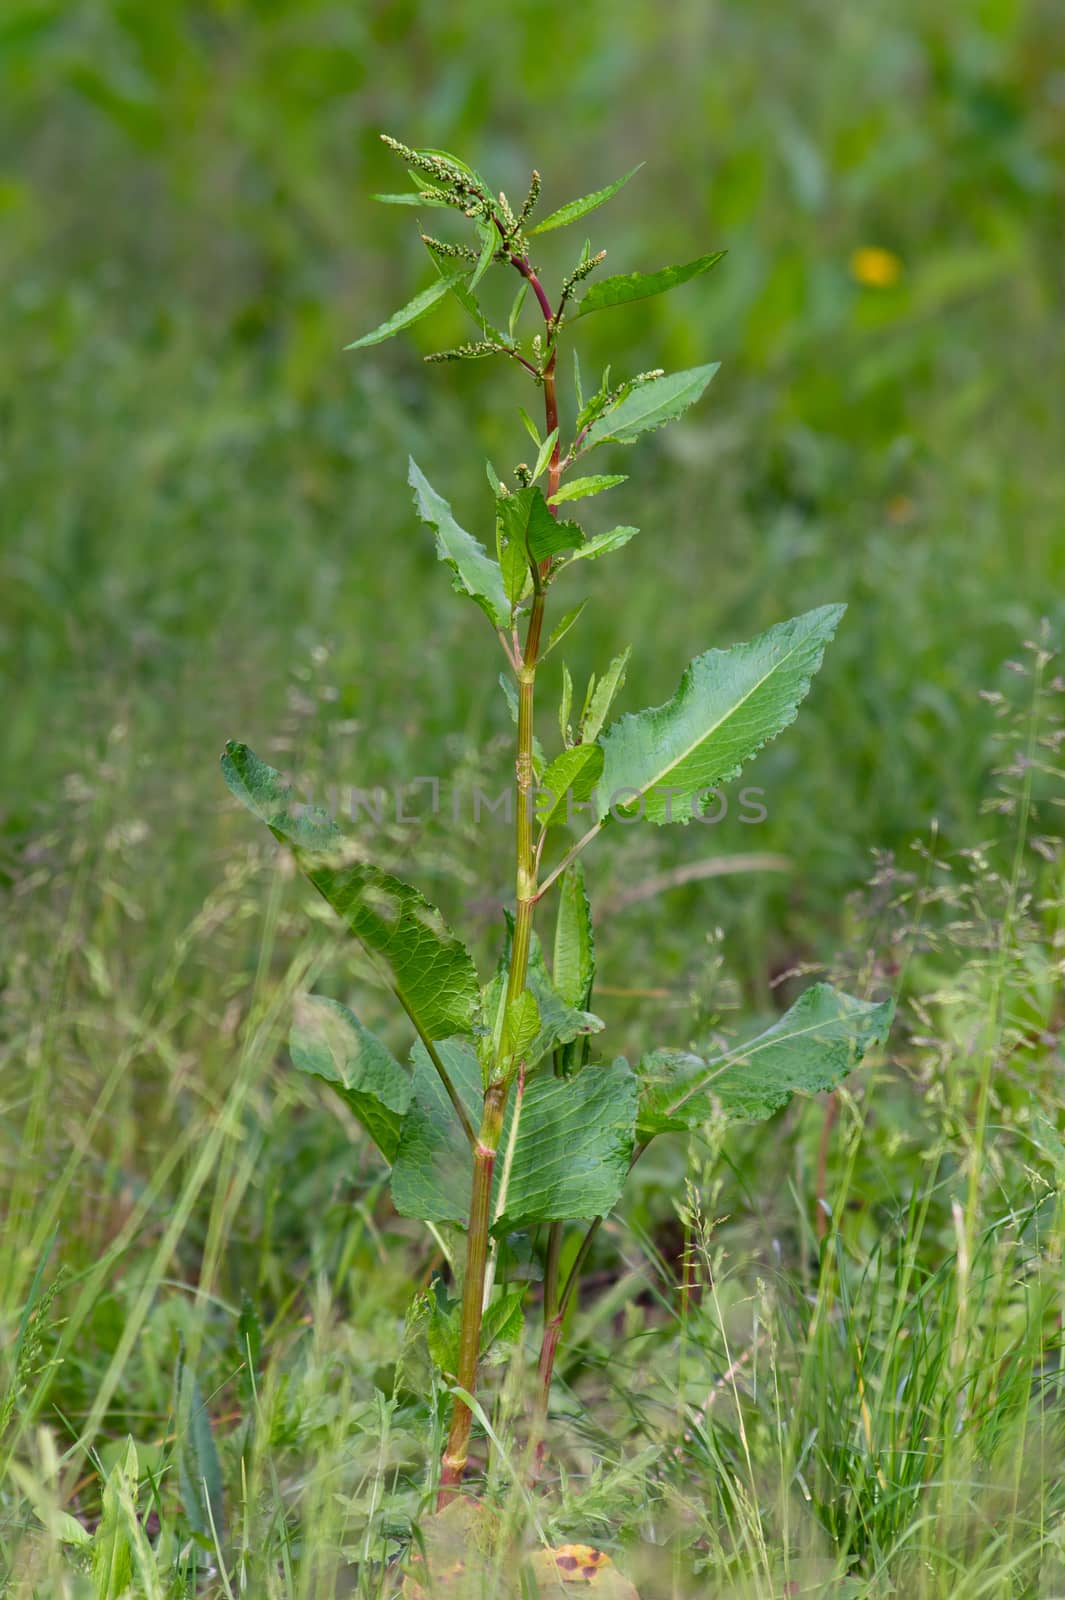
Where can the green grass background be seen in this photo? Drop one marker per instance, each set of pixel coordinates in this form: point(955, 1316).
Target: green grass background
point(205, 532)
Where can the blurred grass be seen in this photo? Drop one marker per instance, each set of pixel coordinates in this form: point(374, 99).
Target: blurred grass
point(205, 532)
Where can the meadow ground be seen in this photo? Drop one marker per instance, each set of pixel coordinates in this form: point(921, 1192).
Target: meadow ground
point(854, 1386)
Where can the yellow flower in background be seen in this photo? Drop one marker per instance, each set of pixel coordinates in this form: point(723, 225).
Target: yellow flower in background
point(875, 268)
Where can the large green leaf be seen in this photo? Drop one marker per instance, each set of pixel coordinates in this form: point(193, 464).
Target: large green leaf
point(573, 958)
point(572, 1148)
point(626, 286)
point(328, 1042)
point(473, 570)
point(564, 1150)
point(650, 405)
point(407, 940)
point(412, 312)
point(575, 209)
point(811, 1048)
point(728, 705)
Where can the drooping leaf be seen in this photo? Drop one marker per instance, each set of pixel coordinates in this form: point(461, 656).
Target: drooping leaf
point(328, 1042)
point(484, 260)
point(573, 960)
point(474, 571)
point(601, 696)
point(626, 286)
point(601, 544)
point(728, 705)
point(433, 1167)
point(578, 488)
point(811, 1048)
point(650, 405)
point(571, 777)
point(412, 312)
point(575, 209)
point(528, 523)
point(406, 939)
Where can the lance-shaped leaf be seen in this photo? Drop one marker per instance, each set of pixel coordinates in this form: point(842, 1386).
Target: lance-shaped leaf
point(573, 958)
point(528, 524)
point(578, 488)
point(570, 779)
point(811, 1048)
point(626, 286)
point(412, 312)
point(601, 544)
point(575, 209)
point(474, 571)
point(564, 1150)
point(328, 1042)
point(650, 405)
point(729, 704)
point(600, 696)
point(560, 1022)
point(406, 939)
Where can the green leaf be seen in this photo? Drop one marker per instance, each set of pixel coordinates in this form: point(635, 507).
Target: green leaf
point(811, 1048)
point(528, 523)
point(601, 697)
point(574, 209)
point(484, 260)
point(474, 571)
point(412, 312)
point(602, 544)
point(573, 961)
point(545, 453)
point(405, 937)
point(530, 426)
point(433, 1168)
point(573, 1147)
point(560, 1022)
point(650, 405)
point(329, 1042)
point(411, 199)
point(521, 1024)
point(626, 286)
point(565, 706)
point(199, 1471)
point(572, 774)
point(567, 1156)
point(728, 705)
point(577, 488)
point(560, 630)
point(112, 1547)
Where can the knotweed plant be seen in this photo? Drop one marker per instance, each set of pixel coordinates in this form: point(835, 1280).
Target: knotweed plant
point(509, 1117)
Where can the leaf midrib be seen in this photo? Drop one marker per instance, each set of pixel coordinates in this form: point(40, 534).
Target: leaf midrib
point(765, 1042)
point(721, 720)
